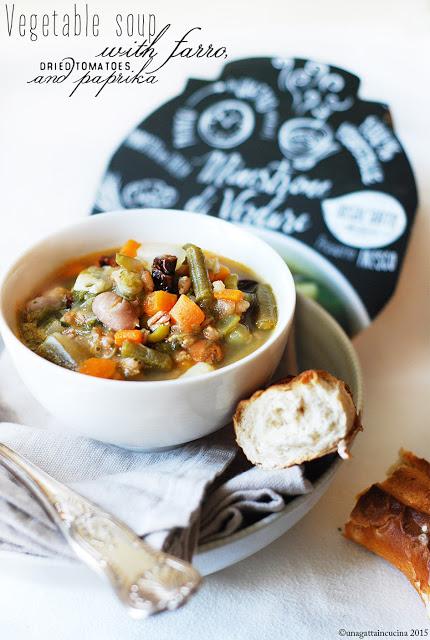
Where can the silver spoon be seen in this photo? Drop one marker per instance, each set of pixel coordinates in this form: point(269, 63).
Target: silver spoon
point(145, 580)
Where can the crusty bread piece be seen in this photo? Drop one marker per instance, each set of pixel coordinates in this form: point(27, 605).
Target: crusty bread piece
point(392, 519)
point(299, 419)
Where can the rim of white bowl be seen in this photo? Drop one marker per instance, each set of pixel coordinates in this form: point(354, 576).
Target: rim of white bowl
point(93, 220)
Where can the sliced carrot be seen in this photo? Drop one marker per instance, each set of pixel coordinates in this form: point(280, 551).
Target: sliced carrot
point(186, 313)
point(130, 248)
point(128, 335)
point(229, 294)
point(219, 275)
point(98, 367)
point(159, 301)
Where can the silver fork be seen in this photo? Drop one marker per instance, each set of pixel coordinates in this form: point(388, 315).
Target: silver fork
point(145, 580)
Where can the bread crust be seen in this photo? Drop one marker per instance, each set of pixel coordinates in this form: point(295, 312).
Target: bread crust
point(305, 378)
point(392, 519)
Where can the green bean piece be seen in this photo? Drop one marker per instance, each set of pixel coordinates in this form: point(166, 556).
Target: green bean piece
point(266, 308)
point(225, 325)
point(231, 281)
point(159, 334)
point(131, 264)
point(148, 357)
point(239, 336)
point(199, 275)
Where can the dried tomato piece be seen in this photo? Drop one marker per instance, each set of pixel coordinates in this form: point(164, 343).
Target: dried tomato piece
point(163, 273)
point(166, 264)
point(163, 282)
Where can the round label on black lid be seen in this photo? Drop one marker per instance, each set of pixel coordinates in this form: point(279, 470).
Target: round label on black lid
point(284, 144)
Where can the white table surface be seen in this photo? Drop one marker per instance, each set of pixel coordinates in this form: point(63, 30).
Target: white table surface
point(53, 151)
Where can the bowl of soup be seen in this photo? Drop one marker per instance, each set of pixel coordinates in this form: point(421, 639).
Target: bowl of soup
point(144, 328)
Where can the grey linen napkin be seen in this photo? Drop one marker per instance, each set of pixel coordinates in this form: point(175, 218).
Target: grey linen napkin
point(156, 494)
point(249, 494)
point(175, 499)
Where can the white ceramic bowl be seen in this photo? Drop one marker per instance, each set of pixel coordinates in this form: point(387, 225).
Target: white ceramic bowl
point(144, 414)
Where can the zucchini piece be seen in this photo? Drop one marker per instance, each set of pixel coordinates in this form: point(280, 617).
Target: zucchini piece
point(227, 324)
point(239, 336)
point(131, 264)
point(63, 350)
point(128, 283)
point(93, 280)
point(159, 334)
point(148, 357)
point(53, 326)
point(232, 281)
point(249, 297)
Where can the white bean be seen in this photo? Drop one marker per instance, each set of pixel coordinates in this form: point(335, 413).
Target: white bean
point(115, 312)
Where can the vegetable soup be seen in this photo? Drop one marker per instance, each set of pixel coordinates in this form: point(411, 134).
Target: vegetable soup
point(148, 312)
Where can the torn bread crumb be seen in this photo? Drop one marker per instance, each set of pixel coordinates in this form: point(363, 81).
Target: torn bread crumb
point(297, 420)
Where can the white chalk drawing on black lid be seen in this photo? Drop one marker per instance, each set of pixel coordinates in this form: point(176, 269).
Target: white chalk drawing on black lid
point(306, 141)
point(286, 144)
point(149, 192)
point(226, 124)
point(314, 87)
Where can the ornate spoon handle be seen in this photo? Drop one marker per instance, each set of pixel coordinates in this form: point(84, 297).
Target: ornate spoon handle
point(145, 580)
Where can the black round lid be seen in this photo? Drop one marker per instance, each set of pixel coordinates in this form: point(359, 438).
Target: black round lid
point(285, 144)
